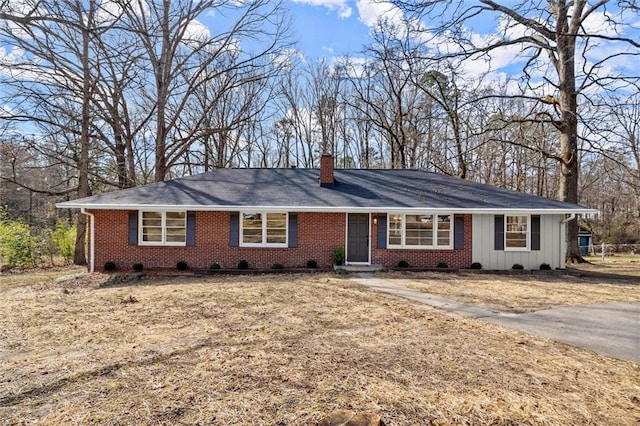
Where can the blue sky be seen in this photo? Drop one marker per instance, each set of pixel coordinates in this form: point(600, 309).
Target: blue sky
point(332, 28)
point(328, 28)
point(322, 32)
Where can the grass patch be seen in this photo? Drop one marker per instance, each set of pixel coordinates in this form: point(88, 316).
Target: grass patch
point(621, 265)
point(276, 349)
point(522, 293)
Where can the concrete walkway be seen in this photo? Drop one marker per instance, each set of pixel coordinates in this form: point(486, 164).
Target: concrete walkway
point(612, 329)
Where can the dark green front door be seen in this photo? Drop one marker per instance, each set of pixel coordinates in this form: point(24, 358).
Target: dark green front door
point(358, 237)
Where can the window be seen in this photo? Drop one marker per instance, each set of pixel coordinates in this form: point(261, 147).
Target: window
point(163, 228)
point(444, 230)
point(263, 229)
point(419, 231)
point(395, 230)
point(516, 235)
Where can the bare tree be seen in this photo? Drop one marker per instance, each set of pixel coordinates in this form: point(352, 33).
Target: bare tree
point(444, 91)
point(120, 77)
point(58, 70)
point(626, 128)
point(295, 104)
point(325, 87)
point(555, 35)
point(612, 176)
point(180, 55)
point(384, 91)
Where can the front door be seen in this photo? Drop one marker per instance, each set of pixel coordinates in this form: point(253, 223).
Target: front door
point(358, 237)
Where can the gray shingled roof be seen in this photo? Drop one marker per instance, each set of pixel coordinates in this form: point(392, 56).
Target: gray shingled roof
point(299, 190)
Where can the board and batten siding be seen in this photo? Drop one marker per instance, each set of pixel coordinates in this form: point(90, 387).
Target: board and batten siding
point(552, 245)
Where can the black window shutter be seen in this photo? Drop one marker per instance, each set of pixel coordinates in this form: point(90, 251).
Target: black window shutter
point(535, 232)
point(133, 228)
point(234, 229)
point(191, 228)
point(382, 231)
point(293, 230)
point(499, 233)
point(458, 232)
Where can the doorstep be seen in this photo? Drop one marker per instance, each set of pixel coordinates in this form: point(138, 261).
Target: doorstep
point(358, 268)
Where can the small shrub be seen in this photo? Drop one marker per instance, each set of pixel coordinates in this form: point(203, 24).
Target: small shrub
point(442, 265)
point(114, 279)
point(403, 264)
point(17, 244)
point(476, 265)
point(64, 238)
point(214, 265)
point(182, 266)
point(120, 278)
point(277, 266)
point(133, 277)
point(312, 264)
point(138, 267)
point(517, 266)
point(109, 266)
point(338, 255)
point(545, 267)
point(243, 264)
point(45, 246)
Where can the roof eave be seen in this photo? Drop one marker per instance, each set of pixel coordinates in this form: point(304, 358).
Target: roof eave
point(329, 209)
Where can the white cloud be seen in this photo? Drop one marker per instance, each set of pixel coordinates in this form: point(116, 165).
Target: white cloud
point(7, 110)
point(344, 11)
point(511, 29)
point(288, 57)
point(197, 31)
point(17, 30)
point(353, 66)
point(108, 12)
point(17, 7)
point(601, 23)
point(370, 11)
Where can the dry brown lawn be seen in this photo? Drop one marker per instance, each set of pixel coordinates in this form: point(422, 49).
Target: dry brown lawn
point(523, 293)
point(282, 350)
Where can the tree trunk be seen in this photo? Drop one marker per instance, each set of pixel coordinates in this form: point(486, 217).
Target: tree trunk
point(121, 158)
point(161, 146)
point(568, 187)
point(79, 257)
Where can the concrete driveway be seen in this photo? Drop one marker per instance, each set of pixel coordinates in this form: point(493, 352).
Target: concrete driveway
point(612, 329)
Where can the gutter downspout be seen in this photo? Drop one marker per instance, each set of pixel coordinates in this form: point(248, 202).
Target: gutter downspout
point(92, 253)
point(570, 218)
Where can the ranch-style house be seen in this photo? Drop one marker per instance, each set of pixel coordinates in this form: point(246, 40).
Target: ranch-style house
point(290, 216)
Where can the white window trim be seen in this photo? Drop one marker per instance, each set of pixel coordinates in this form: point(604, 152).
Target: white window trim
point(163, 214)
point(264, 230)
point(403, 233)
point(528, 247)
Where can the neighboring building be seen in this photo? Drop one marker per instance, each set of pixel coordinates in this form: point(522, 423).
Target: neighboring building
point(290, 216)
point(585, 241)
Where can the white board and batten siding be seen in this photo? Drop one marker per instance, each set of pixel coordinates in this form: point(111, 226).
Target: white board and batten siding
point(552, 245)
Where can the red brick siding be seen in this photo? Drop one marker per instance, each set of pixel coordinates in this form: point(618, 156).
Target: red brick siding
point(460, 258)
point(318, 235)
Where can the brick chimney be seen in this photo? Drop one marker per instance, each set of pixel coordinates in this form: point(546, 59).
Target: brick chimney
point(326, 171)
